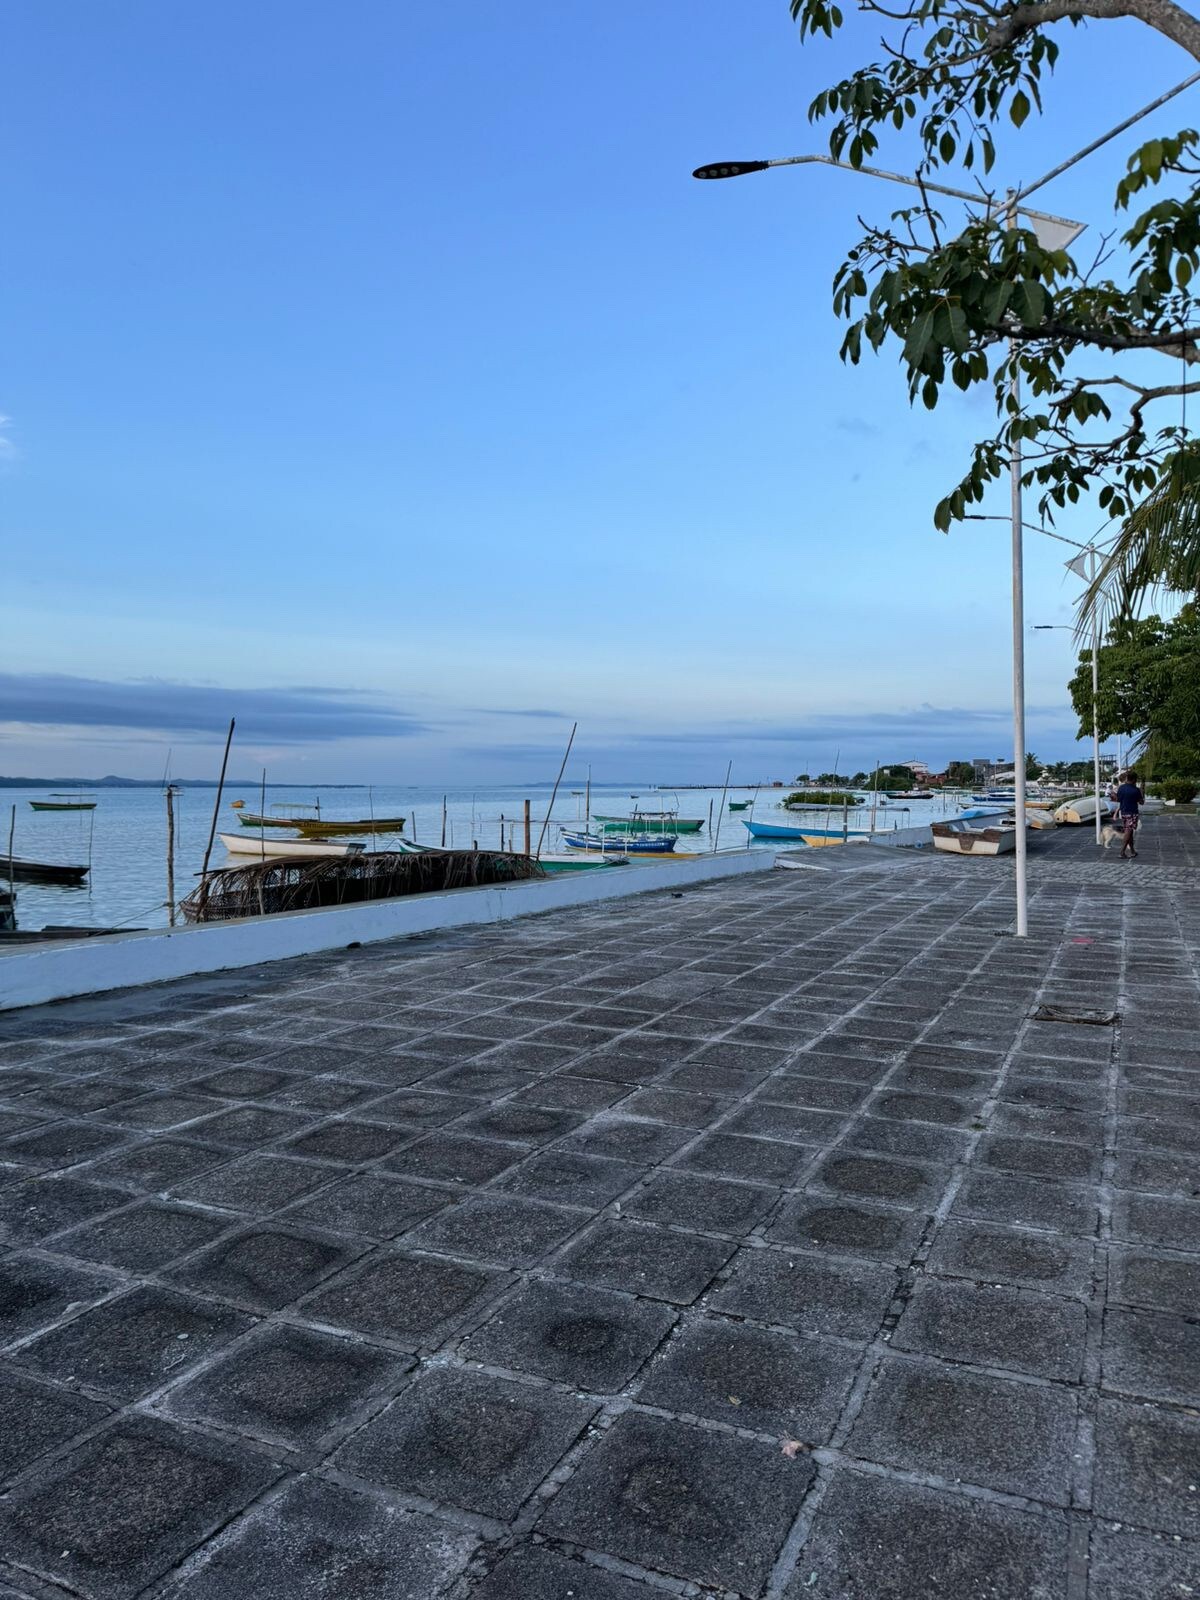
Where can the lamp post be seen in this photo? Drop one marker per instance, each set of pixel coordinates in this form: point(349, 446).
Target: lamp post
point(1054, 233)
point(1062, 627)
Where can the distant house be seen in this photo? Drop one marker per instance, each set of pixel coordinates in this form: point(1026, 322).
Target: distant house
point(918, 769)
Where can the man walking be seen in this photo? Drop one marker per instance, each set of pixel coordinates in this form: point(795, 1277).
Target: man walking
point(1129, 802)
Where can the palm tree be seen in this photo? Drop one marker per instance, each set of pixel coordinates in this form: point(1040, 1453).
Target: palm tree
point(1157, 551)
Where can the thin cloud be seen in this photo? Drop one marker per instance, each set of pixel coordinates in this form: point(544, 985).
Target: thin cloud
point(188, 711)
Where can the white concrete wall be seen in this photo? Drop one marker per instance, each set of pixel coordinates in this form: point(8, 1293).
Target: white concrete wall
point(31, 974)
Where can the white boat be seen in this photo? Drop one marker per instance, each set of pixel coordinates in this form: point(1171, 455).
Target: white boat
point(260, 845)
point(963, 839)
point(1081, 809)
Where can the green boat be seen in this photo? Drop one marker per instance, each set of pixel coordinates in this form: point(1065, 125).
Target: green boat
point(64, 802)
point(740, 805)
point(649, 822)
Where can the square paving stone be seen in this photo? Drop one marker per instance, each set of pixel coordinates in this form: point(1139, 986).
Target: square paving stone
point(910, 1141)
point(535, 1572)
point(1008, 1255)
point(911, 1107)
point(155, 1164)
point(34, 1209)
point(130, 1346)
point(1152, 1355)
point(126, 1506)
point(144, 1237)
point(875, 1539)
point(447, 1158)
point(291, 1387)
point(646, 1261)
point(700, 1505)
point(821, 1094)
point(692, 1201)
point(753, 1378)
point(703, 1077)
point(324, 1094)
point(586, 1338)
point(573, 1093)
point(1015, 1437)
point(873, 1178)
point(626, 1139)
point(681, 1110)
point(255, 1183)
point(1147, 1461)
point(155, 1113)
point(734, 1156)
point(478, 1080)
point(1136, 1566)
point(351, 1141)
point(417, 1109)
point(1162, 1282)
point(411, 1300)
point(84, 1094)
point(61, 1144)
point(371, 1204)
point(1153, 1219)
point(845, 1228)
point(499, 1229)
point(522, 1124)
point(572, 1180)
point(251, 1125)
point(995, 1327)
point(245, 1083)
point(34, 1293)
point(1057, 1207)
point(795, 1124)
point(807, 1292)
point(428, 1442)
point(35, 1418)
point(1047, 1158)
point(318, 1541)
point(266, 1267)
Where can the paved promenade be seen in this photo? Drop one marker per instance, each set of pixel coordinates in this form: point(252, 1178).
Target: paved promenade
point(804, 1237)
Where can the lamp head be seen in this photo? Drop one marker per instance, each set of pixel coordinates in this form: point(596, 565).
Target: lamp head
point(730, 169)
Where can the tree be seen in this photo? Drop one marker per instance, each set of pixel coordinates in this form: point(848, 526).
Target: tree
point(891, 778)
point(952, 297)
point(1032, 765)
point(960, 772)
point(1149, 690)
point(1157, 550)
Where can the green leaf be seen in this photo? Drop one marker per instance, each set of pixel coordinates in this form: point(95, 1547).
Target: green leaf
point(1019, 109)
point(919, 337)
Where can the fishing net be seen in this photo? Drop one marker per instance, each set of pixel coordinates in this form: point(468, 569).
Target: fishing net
point(303, 885)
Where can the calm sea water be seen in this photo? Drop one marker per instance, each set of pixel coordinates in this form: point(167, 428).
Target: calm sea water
point(124, 838)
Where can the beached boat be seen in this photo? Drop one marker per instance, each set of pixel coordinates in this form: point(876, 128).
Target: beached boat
point(649, 822)
point(326, 827)
point(637, 844)
point(971, 813)
point(961, 838)
point(1082, 809)
point(64, 802)
point(555, 862)
point(246, 844)
point(41, 872)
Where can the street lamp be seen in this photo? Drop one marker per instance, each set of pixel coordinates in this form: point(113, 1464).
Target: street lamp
point(1055, 233)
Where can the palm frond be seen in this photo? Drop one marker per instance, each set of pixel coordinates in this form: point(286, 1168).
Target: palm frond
point(1157, 552)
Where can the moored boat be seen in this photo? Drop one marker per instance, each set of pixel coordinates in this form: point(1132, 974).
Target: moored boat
point(64, 802)
point(326, 827)
point(740, 805)
point(555, 862)
point(961, 838)
point(637, 844)
point(41, 872)
point(810, 836)
point(246, 844)
point(649, 822)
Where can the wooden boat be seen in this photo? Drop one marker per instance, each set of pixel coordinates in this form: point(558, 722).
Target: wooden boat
point(251, 819)
point(64, 802)
point(810, 836)
point(42, 872)
point(740, 805)
point(1082, 809)
point(961, 838)
point(650, 822)
point(566, 862)
point(910, 794)
point(326, 827)
point(246, 844)
point(638, 844)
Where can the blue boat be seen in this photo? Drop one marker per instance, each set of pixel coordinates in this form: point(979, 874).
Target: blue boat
point(635, 844)
point(773, 830)
point(992, 809)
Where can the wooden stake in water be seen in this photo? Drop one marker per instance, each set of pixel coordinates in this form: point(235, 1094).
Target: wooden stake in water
point(528, 831)
point(212, 832)
point(12, 828)
point(262, 827)
point(171, 854)
point(443, 822)
point(721, 813)
point(554, 791)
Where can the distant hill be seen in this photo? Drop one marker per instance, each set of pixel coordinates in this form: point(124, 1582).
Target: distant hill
point(113, 782)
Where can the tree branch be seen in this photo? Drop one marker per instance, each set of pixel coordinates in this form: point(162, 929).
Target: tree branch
point(1164, 16)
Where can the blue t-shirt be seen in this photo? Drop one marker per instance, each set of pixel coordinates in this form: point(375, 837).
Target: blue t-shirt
point(1129, 797)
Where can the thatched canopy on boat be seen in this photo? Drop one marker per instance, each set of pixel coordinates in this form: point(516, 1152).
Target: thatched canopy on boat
point(303, 884)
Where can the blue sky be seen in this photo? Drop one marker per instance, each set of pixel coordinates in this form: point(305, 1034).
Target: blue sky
point(378, 373)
